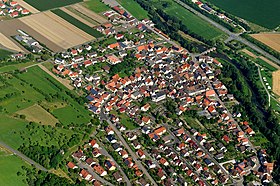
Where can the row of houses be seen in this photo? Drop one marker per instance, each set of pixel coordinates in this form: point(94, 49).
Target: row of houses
point(12, 9)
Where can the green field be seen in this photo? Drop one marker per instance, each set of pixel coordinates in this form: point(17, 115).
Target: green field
point(134, 8)
point(10, 165)
point(194, 23)
point(8, 68)
point(263, 13)
point(50, 4)
point(96, 6)
point(77, 23)
point(4, 53)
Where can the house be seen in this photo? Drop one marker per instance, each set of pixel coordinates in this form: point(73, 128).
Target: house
point(146, 107)
point(145, 120)
point(78, 59)
point(79, 155)
point(136, 144)
point(100, 170)
point(118, 176)
point(85, 174)
point(160, 131)
point(111, 138)
point(141, 154)
point(25, 12)
point(142, 182)
point(128, 162)
point(117, 147)
point(110, 165)
point(150, 164)
point(96, 152)
point(14, 14)
point(226, 138)
point(109, 130)
point(159, 96)
point(94, 144)
point(119, 36)
point(71, 165)
point(123, 154)
point(160, 174)
point(131, 136)
point(163, 161)
point(90, 161)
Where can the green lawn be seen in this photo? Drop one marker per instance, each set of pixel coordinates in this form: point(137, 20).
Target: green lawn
point(50, 4)
point(134, 8)
point(194, 23)
point(10, 165)
point(96, 6)
point(77, 23)
point(264, 13)
point(4, 53)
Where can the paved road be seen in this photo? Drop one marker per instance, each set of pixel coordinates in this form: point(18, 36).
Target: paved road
point(267, 92)
point(131, 153)
point(83, 165)
point(104, 152)
point(231, 34)
point(25, 158)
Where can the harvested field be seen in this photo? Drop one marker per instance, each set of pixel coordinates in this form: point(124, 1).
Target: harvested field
point(77, 17)
point(37, 114)
point(10, 27)
point(89, 13)
point(65, 82)
point(8, 43)
point(270, 39)
point(249, 53)
point(28, 6)
point(276, 82)
point(56, 29)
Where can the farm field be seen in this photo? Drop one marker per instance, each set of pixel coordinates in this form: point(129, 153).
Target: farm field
point(9, 43)
point(96, 6)
point(77, 23)
point(77, 17)
point(276, 82)
point(194, 23)
point(263, 13)
point(134, 8)
point(270, 39)
point(37, 114)
point(94, 16)
point(57, 30)
point(50, 4)
point(10, 165)
point(8, 68)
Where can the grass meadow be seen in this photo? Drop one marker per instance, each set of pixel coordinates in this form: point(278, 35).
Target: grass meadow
point(134, 8)
point(263, 13)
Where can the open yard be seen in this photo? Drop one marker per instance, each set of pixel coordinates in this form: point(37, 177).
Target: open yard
point(10, 165)
point(134, 8)
point(37, 114)
point(270, 39)
point(89, 30)
point(263, 13)
point(96, 6)
point(4, 53)
point(50, 4)
point(194, 23)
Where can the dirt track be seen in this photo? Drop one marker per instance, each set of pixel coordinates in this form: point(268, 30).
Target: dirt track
point(270, 39)
point(65, 82)
point(276, 82)
point(56, 29)
point(89, 13)
point(77, 17)
point(8, 43)
point(28, 6)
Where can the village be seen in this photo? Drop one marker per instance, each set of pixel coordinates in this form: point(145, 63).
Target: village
point(147, 92)
point(12, 9)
